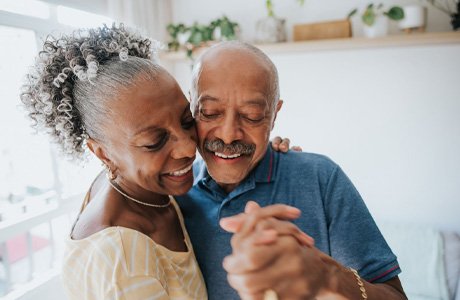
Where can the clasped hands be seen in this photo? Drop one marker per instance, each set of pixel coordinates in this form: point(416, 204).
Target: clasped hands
point(270, 253)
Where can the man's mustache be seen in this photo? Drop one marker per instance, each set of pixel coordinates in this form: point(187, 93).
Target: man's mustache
point(235, 147)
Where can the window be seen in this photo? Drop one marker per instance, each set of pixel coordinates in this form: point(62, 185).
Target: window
point(79, 18)
point(30, 8)
point(35, 182)
point(25, 158)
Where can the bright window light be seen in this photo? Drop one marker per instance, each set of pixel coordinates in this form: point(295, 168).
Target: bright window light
point(79, 18)
point(31, 8)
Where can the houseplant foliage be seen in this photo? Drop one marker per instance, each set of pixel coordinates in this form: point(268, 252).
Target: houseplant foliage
point(271, 29)
point(269, 6)
point(371, 13)
point(198, 35)
point(446, 6)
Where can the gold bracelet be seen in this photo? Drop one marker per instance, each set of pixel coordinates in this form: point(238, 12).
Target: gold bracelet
point(360, 283)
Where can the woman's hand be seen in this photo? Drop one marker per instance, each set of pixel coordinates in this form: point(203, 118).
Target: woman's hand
point(267, 221)
point(282, 145)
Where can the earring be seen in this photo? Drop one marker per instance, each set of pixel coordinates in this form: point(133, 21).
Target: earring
point(110, 174)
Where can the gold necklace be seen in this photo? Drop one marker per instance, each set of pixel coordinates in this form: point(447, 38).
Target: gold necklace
point(138, 201)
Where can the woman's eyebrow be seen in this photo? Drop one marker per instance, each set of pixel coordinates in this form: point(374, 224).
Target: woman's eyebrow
point(146, 129)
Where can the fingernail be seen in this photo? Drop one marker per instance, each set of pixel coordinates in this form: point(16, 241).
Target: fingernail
point(309, 239)
point(293, 210)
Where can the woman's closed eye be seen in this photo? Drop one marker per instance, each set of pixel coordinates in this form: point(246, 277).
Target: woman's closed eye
point(160, 143)
point(188, 122)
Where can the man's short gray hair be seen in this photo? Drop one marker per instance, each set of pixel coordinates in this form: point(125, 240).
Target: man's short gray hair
point(273, 90)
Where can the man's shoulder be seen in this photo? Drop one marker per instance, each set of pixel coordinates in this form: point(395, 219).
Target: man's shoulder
point(305, 160)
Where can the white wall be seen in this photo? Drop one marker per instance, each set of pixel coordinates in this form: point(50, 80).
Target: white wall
point(389, 117)
point(247, 12)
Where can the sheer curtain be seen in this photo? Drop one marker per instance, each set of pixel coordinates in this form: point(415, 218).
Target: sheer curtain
point(149, 16)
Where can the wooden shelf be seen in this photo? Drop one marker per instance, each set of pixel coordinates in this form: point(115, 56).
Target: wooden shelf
point(392, 41)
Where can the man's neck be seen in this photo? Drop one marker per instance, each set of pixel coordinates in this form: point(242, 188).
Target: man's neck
point(228, 188)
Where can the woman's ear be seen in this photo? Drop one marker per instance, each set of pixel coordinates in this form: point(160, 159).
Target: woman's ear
point(98, 150)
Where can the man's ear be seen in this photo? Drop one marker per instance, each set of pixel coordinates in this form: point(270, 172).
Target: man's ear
point(277, 109)
point(95, 147)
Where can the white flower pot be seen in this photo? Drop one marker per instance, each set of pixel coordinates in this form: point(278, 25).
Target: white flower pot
point(270, 30)
point(378, 29)
point(414, 17)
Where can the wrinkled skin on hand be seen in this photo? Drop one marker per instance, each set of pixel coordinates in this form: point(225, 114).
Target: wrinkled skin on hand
point(269, 253)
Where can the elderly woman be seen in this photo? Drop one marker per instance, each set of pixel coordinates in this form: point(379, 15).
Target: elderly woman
point(100, 89)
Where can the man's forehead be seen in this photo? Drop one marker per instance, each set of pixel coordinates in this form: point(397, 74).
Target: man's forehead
point(232, 58)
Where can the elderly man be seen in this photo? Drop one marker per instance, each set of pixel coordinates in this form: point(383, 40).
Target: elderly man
point(235, 100)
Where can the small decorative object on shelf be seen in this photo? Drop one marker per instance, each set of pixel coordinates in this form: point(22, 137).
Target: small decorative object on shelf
point(323, 30)
point(449, 7)
point(271, 29)
point(414, 19)
point(190, 38)
point(375, 21)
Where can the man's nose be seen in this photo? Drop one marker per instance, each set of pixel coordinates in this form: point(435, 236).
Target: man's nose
point(229, 130)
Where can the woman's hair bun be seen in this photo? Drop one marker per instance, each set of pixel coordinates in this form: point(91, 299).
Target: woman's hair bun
point(47, 93)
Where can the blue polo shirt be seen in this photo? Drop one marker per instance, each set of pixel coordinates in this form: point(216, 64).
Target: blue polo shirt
point(333, 213)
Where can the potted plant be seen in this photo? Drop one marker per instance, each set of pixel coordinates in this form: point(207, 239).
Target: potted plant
point(175, 30)
point(271, 29)
point(198, 35)
point(375, 19)
point(224, 29)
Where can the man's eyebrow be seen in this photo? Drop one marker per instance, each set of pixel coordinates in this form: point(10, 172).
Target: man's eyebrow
point(207, 98)
point(257, 102)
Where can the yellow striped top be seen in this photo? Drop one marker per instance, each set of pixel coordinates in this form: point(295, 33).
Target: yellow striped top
point(122, 263)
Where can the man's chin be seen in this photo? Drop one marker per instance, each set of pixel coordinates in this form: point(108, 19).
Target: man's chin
point(224, 178)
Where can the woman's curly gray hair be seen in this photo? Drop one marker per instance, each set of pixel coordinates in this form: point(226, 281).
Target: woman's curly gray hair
point(74, 76)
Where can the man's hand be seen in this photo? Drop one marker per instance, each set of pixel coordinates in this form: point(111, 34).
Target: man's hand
point(293, 270)
point(268, 254)
point(264, 219)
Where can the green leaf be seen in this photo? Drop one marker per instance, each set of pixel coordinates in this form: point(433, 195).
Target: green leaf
point(369, 16)
point(395, 13)
point(269, 5)
point(352, 13)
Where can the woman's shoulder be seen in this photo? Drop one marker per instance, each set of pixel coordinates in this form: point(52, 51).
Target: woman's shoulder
point(123, 251)
point(101, 209)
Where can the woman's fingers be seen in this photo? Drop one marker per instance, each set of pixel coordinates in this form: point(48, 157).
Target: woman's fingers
point(266, 226)
point(281, 145)
point(276, 143)
point(245, 222)
point(284, 146)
